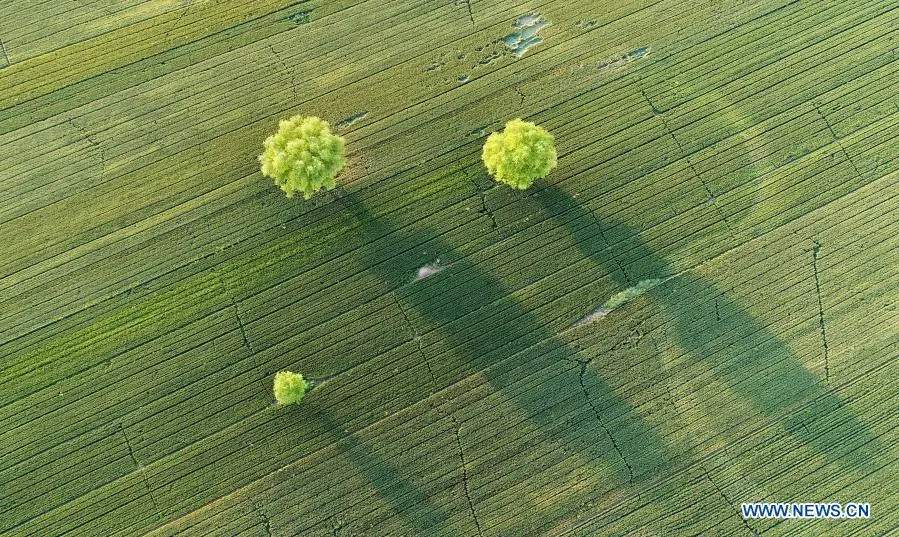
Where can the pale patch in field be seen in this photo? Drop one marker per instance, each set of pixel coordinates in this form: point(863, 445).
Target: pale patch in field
point(621, 298)
point(428, 270)
point(625, 58)
point(355, 118)
point(596, 315)
point(302, 17)
point(526, 37)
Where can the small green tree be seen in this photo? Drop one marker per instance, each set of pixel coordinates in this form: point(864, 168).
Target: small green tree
point(519, 155)
point(303, 156)
point(290, 387)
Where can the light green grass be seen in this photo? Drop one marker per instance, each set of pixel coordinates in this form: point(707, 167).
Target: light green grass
point(152, 281)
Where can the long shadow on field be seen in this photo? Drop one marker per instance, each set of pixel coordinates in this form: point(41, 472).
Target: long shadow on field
point(737, 347)
point(407, 501)
point(484, 326)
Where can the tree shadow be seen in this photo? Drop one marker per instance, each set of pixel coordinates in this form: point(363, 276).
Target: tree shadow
point(484, 326)
point(407, 500)
point(749, 357)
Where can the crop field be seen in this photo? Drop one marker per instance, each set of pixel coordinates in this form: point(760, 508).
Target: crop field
point(696, 309)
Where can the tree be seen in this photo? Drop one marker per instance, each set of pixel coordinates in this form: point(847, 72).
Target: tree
point(520, 155)
point(303, 156)
point(290, 387)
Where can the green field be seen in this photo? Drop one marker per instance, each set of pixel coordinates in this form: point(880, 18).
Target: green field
point(741, 156)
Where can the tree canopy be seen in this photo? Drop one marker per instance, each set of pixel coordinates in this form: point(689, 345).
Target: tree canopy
point(520, 154)
point(290, 387)
point(303, 156)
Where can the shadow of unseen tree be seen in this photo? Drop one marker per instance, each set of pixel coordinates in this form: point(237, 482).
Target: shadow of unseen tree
point(739, 348)
point(485, 326)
